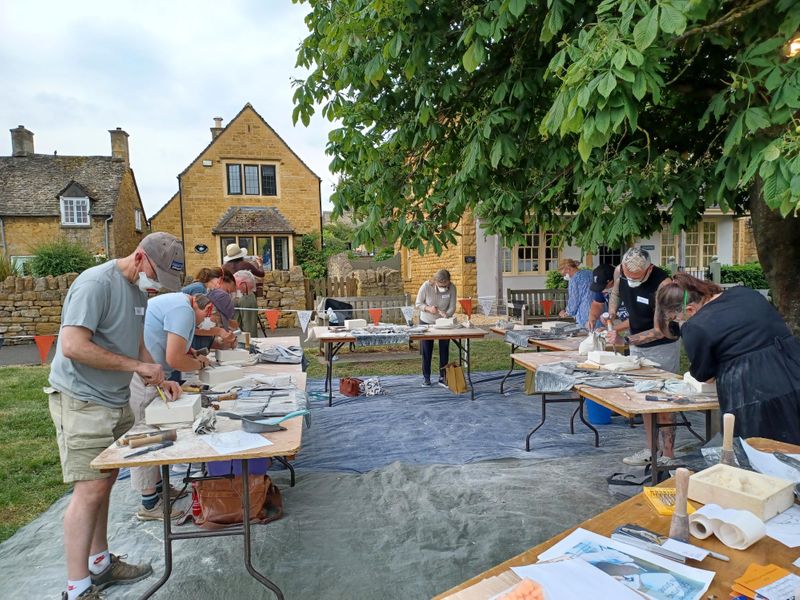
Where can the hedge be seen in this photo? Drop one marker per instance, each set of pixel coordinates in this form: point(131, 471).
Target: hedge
point(750, 274)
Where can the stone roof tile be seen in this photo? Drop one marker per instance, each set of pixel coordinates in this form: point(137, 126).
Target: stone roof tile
point(253, 219)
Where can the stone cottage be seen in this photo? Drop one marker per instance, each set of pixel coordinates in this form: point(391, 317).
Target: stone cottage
point(247, 187)
point(91, 200)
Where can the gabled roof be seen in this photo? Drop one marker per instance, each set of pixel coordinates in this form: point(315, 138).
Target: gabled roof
point(253, 219)
point(31, 185)
point(224, 129)
point(158, 212)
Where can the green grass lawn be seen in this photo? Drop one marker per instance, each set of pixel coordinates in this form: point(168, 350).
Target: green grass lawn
point(30, 472)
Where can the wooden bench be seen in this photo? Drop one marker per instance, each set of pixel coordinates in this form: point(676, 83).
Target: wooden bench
point(361, 304)
point(526, 305)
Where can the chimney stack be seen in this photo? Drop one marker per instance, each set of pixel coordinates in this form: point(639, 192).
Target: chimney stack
point(119, 145)
point(217, 128)
point(21, 141)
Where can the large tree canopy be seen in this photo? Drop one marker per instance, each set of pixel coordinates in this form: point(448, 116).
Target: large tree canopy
point(622, 114)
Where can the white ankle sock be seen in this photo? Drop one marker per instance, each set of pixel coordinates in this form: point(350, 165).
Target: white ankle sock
point(75, 588)
point(98, 562)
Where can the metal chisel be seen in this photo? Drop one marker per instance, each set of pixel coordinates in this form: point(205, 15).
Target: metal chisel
point(166, 444)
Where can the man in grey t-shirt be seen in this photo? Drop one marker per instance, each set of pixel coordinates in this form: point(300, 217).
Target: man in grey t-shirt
point(100, 346)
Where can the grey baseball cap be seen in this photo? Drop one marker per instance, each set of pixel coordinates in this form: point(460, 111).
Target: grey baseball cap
point(166, 253)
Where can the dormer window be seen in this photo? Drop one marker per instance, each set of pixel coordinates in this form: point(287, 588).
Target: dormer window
point(75, 211)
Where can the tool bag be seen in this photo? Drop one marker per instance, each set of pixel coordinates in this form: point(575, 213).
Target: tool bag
point(221, 501)
point(454, 376)
point(350, 386)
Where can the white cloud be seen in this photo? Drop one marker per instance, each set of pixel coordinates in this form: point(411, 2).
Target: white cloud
point(70, 71)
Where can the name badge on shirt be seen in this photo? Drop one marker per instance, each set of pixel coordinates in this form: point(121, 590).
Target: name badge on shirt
point(445, 296)
point(139, 310)
point(642, 300)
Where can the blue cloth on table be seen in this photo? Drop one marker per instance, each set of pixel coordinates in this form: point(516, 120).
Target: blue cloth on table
point(518, 337)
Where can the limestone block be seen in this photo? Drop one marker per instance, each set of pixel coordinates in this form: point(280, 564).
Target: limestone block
point(29, 295)
point(182, 410)
point(52, 283)
point(296, 274)
point(19, 285)
point(40, 284)
point(28, 284)
point(699, 386)
point(220, 374)
point(232, 356)
point(70, 278)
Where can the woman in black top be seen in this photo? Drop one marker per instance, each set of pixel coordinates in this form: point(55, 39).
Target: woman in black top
point(737, 337)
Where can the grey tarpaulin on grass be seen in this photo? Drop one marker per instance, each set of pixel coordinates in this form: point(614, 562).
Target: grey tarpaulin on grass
point(417, 425)
point(406, 530)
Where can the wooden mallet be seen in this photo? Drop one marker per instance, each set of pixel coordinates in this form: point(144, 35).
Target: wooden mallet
point(728, 457)
point(679, 527)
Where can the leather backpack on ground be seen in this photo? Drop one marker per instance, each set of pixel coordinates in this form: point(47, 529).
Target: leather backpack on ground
point(221, 501)
point(350, 386)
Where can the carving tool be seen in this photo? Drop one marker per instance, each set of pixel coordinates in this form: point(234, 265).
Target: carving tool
point(166, 444)
point(159, 436)
point(792, 462)
point(679, 527)
point(145, 435)
point(728, 457)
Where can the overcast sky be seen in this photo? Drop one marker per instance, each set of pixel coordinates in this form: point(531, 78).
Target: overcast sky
point(70, 71)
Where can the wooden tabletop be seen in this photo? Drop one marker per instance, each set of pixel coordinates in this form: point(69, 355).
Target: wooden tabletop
point(190, 447)
point(639, 511)
point(623, 401)
point(457, 333)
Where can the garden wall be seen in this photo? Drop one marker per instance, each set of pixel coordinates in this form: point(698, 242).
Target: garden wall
point(31, 306)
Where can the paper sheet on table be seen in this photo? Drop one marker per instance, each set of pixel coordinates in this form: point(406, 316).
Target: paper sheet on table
point(766, 463)
point(785, 527)
point(655, 577)
point(235, 441)
point(684, 549)
point(575, 579)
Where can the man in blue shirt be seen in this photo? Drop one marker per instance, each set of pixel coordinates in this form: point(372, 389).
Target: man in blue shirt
point(169, 326)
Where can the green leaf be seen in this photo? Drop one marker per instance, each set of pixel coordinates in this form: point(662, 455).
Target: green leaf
point(672, 20)
point(483, 28)
point(639, 87)
point(584, 149)
point(500, 93)
point(787, 206)
point(771, 152)
point(396, 45)
point(795, 186)
point(734, 136)
point(756, 118)
point(474, 56)
point(517, 7)
point(646, 29)
point(635, 57)
point(583, 97)
point(607, 85)
point(496, 154)
point(602, 120)
point(619, 58)
point(625, 75)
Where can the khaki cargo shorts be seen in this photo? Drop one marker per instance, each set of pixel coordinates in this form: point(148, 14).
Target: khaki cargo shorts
point(84, 430)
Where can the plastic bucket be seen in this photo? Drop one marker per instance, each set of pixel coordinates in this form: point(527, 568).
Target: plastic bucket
point(597, 414)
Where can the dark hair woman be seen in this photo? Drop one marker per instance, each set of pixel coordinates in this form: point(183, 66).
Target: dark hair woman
point(738, 338)
point(208, 279)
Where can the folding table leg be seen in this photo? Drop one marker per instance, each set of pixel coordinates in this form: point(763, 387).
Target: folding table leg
point(167, 537)
point(248, 562)
point(503, 382)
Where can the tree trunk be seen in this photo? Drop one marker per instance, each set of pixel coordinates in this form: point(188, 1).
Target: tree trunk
point(778, 244)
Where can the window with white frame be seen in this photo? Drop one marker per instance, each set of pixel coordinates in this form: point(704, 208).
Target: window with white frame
point(535, 256)
point(137, 219)
point(75, 211)
point(700, 247)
